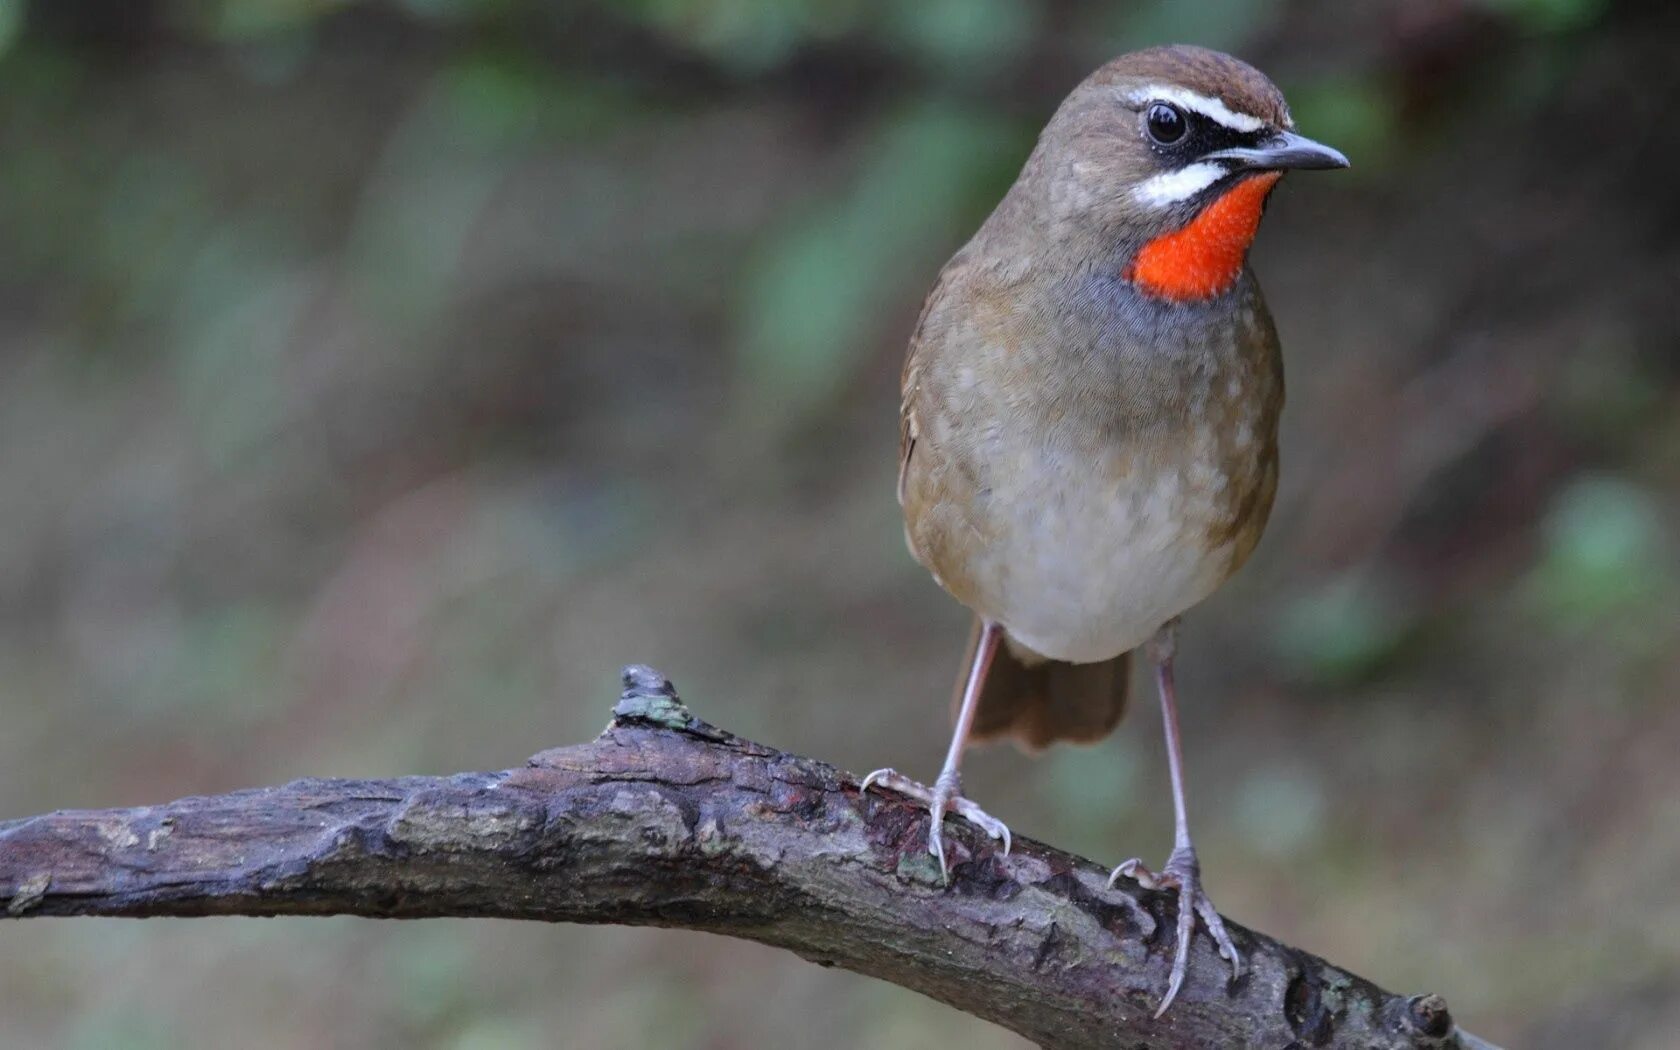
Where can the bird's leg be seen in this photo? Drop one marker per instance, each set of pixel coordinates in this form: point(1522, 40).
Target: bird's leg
point(1182, 872)
point(946, 794)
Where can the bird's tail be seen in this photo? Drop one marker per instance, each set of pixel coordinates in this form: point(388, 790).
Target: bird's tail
point(1038, 701)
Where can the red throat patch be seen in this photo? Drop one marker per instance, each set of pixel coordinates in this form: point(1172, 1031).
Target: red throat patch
point(1204, 258)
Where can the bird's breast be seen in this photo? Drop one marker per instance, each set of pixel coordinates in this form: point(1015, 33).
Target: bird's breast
point(1086, 510)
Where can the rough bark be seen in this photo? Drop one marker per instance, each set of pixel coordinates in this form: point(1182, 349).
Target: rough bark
point(667, 821)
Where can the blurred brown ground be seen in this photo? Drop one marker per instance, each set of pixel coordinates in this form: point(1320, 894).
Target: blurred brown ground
point(375, 379)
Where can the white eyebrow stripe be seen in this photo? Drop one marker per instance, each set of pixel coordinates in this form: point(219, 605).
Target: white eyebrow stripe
point(1211, 108)
point(1170, 187)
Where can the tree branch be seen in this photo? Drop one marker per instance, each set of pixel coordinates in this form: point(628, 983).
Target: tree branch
point(664, 820)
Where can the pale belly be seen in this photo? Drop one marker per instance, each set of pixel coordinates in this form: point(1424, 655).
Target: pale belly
point(1096, 573)
point(1089, 559)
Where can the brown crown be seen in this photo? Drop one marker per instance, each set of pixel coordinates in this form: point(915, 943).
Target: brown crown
point(1213, 73)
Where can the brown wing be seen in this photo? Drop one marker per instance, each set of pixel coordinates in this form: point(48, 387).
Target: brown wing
point(940, 474)
point(909, 382)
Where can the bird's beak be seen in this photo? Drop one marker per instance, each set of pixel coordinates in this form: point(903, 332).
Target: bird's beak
point(1283, 151)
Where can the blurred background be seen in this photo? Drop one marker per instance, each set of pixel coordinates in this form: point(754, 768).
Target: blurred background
point(376, 378)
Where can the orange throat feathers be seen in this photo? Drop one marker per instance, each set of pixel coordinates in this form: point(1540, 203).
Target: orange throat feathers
point(1204, 258)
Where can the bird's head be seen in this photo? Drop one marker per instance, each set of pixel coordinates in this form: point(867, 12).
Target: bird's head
point(1169, 154)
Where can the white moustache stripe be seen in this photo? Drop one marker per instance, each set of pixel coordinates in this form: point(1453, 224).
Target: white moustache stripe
point(1211, 108)
point(1158, 191)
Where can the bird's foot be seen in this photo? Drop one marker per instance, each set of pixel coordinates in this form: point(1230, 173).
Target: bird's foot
point(1184, 874)
point(945, 796)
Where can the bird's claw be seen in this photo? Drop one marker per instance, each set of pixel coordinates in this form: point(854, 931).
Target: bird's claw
point(944, 797)
point(1184, 874)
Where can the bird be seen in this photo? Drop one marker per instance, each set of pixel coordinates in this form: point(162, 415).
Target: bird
point(1088, 431)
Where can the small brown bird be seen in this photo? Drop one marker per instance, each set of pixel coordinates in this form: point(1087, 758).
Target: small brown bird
point(1089, 424)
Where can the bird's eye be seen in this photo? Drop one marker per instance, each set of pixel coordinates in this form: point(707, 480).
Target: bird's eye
point(1166, 124)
